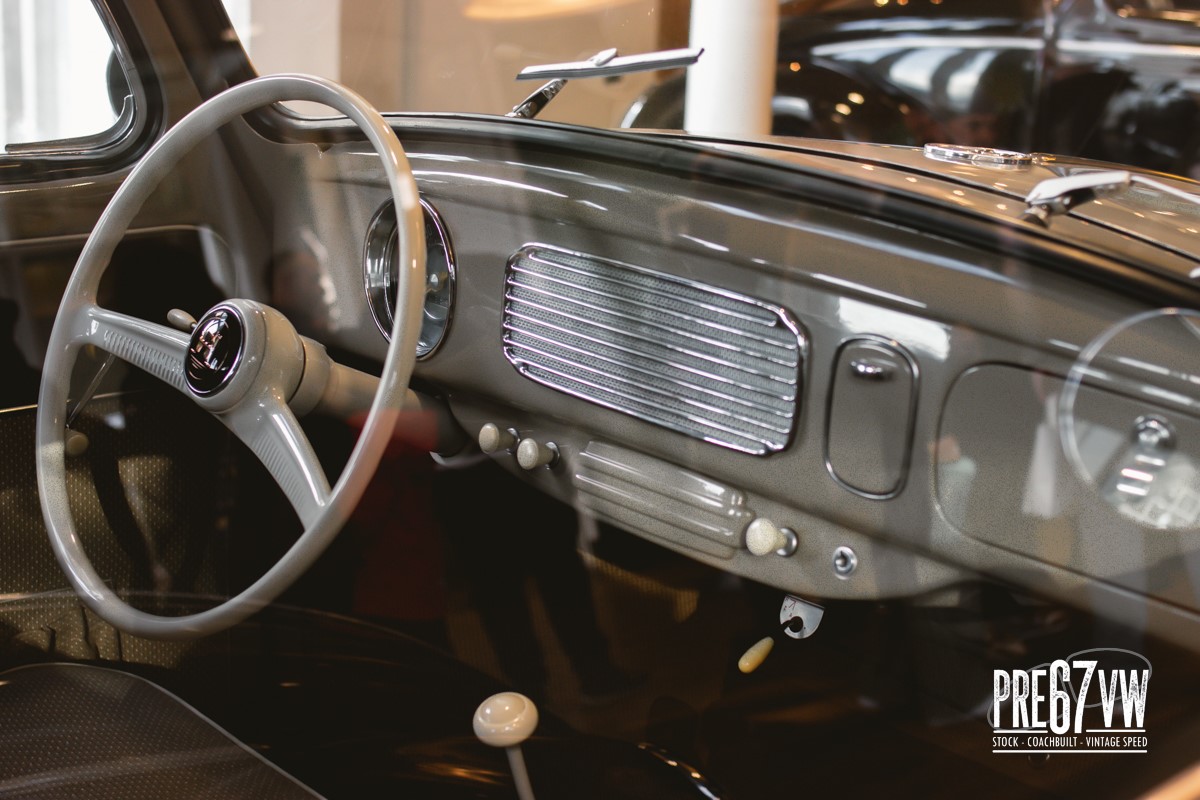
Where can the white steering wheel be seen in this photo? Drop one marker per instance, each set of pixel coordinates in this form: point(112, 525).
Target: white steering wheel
point(243, 362)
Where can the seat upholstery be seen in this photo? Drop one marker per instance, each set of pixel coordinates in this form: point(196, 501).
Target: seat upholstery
point(81, 731)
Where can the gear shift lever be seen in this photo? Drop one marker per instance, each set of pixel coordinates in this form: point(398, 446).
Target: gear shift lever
point(505, 720)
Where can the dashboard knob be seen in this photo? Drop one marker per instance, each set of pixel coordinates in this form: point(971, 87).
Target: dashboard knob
point(76, 443)
point(493, 439)
point(753, 658)
point(764, 537)
point(532, 454)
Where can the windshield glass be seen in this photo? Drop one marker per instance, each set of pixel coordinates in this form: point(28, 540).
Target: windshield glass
point(1162, 7)
point(432, 56)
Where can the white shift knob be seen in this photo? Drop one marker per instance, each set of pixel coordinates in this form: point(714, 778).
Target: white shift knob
point(505, 719)
point(532, 454)
point(492, 439)
point(763, 537)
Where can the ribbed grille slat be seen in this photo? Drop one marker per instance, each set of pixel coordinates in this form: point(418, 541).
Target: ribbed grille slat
point(668, 378)
point(749, 336)
point(689, 357)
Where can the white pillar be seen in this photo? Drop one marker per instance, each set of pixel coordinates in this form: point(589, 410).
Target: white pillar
point(729, 90)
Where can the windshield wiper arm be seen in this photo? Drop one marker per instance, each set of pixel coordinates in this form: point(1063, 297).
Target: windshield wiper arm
point(603, 64)
point(532, 105)
point(1059, 195)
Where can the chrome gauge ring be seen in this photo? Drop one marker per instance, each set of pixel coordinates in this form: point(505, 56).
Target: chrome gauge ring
point(380, 268)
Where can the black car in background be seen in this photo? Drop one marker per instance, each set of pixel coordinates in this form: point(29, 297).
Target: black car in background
point(1100, 79)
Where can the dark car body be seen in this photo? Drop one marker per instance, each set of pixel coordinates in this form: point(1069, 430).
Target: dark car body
point(1092, 78)
point(865, 344)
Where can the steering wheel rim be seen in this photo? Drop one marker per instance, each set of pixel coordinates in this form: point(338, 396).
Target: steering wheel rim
point(81, 321)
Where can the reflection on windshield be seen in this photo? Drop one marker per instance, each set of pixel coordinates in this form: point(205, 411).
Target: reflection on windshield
point(432, 56)
point(1140, 457)
point(1184, 10)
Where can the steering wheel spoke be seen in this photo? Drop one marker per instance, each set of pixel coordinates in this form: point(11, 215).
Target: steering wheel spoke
point(269, 428)
point(157, 349)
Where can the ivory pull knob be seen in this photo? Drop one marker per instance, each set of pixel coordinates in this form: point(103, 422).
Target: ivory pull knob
point(753, 658)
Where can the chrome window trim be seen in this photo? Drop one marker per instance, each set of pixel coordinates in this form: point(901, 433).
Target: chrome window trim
point(130, 122)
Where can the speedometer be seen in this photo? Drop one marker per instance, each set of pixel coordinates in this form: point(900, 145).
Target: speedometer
point(381, 270)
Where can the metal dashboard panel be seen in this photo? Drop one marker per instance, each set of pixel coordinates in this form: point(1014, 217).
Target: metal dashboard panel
point(1007, 483)
point(841, 272)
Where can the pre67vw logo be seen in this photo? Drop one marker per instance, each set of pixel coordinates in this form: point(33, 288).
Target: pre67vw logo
point(1091, 702)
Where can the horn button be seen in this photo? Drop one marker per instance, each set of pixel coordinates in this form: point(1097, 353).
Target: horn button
point(237, 351)
point(215, 350)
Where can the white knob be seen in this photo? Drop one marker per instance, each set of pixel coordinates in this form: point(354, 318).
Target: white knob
point(532, 454)
point(505, 719)
point(181, 320)
point(492, 439)
point(763, 537)
point(753, 658)
point(76, 443)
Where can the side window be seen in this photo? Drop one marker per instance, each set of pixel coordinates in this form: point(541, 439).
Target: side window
point(62, 88)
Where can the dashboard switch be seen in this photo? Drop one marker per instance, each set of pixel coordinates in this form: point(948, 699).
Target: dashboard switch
point(532, 454)
point(753, 658)
point(181, 320)
point(494, 439)
point(764, 537)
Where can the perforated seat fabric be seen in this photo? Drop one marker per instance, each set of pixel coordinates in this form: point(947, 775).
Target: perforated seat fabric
point(79, 731)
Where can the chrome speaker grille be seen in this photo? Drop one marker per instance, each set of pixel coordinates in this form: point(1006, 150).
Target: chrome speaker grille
point(686, 356)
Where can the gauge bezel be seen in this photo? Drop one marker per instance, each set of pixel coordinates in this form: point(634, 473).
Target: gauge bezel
point(379, 253)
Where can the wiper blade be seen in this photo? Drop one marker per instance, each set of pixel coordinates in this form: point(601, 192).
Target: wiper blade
point(614, 65)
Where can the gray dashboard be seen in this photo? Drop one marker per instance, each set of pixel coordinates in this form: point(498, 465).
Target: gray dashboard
point(923, 474)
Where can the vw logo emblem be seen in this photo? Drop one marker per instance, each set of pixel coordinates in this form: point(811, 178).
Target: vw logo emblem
point(214, 351)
